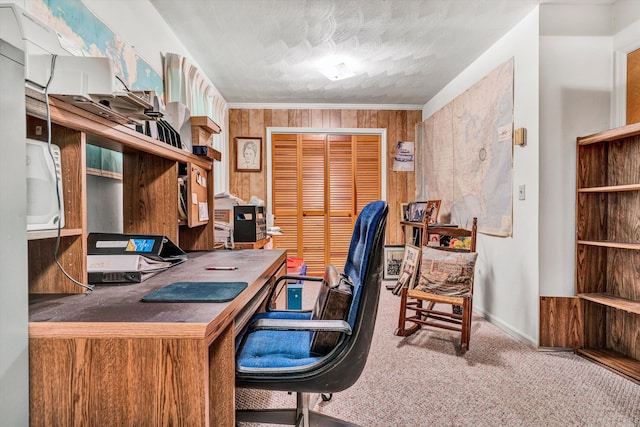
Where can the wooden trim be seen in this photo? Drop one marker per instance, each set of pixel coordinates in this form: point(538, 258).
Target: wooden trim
point(611, 134)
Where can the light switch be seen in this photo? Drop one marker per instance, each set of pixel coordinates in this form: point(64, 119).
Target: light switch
point(521, 192)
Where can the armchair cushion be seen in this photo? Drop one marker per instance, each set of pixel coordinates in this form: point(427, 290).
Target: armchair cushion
point(446, 273)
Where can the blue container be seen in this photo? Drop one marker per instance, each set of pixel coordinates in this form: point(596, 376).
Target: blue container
point(294, 291)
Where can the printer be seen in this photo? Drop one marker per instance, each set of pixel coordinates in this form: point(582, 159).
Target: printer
point(87, 82)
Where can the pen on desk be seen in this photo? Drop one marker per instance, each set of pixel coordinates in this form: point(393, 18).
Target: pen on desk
point(222, 268)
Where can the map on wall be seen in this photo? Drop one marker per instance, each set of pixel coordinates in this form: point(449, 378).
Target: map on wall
point(92, 37)
point(77, 24)
point(467, 154)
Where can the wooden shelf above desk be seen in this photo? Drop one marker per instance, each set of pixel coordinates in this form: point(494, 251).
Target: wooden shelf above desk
point(252, 245)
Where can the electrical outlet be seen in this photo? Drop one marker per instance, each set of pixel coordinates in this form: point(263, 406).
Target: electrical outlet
point(521, 192)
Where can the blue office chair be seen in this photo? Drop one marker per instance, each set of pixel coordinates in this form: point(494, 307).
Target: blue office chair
point(274, 351)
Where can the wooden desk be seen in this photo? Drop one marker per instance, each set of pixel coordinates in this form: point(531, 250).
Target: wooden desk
point(105, 358)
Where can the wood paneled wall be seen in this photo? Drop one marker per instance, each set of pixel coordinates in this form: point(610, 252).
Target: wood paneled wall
point(400, 125)
point(633, 87)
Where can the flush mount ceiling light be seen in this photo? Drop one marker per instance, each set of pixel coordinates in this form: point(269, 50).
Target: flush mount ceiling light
point(337, 72)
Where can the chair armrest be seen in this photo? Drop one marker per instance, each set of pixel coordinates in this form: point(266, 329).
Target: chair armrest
point(294, 277)
point(273, 295)
point(300, 325)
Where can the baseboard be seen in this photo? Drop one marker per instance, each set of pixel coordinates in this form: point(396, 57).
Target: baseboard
point(525, 339)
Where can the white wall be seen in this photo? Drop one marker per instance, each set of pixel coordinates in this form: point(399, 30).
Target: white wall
point(569, 81)
point(576, 75)
point(143, 27)
point(14, 344)
point(506, 284)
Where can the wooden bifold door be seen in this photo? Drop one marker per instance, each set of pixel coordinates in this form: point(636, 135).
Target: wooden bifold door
point(320, 184)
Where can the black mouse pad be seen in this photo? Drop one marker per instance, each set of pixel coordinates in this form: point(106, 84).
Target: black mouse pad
point(196, 292)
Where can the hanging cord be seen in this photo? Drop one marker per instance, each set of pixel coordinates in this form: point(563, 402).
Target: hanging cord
point(59, 196)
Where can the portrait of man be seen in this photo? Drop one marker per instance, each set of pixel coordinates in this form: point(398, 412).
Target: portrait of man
point(248, 154)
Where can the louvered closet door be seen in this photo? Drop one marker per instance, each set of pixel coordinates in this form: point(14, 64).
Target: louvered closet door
point(313, 202)
point(368, 170)
point(285, 197)
point(320, 184)
point(341, 197)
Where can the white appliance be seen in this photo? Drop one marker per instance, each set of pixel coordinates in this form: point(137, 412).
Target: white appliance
point(44, 186)
point(88, 82)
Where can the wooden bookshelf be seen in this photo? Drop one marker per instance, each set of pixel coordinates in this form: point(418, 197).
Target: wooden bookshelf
point(608, 247)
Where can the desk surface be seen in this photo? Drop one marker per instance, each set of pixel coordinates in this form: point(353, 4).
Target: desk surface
point(117, 309)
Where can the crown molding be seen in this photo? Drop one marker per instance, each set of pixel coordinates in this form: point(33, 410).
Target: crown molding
point(319, 106)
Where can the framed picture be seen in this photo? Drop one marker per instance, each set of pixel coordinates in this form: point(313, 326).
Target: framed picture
point(416, 211)
point(392, 261)
point(248, 154)
point(431, 211)
point(404, 211)
point(408, 268)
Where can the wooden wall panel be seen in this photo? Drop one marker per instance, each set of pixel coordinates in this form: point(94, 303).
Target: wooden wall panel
point(633, 87)
point(561, 322)
point(400, 125)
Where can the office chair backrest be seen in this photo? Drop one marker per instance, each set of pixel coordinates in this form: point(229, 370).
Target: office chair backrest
point(362, 242)
point(364, 268)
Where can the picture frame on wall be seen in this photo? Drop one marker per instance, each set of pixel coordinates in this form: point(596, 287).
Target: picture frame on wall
point(392, 261)
point(248, 154)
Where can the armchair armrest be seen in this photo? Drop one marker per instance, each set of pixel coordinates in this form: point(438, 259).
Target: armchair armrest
point(300, 325)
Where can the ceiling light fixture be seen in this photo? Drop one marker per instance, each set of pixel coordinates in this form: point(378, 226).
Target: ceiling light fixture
point(337, 72)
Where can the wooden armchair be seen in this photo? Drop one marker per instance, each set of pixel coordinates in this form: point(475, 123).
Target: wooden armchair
point(452, 284)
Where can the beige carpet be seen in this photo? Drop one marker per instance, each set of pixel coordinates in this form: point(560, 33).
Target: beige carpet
point(422, 380)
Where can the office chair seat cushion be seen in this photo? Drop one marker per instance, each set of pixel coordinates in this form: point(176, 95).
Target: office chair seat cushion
point(446, 273)
point(277, 349)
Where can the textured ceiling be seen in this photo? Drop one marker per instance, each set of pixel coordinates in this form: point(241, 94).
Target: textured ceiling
point(402, 51)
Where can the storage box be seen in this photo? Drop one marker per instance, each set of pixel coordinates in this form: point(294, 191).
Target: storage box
point(249, 223)
point(297, 267)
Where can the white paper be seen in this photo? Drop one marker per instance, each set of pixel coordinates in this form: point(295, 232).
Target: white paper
point(123, 263)
point(203, 211)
